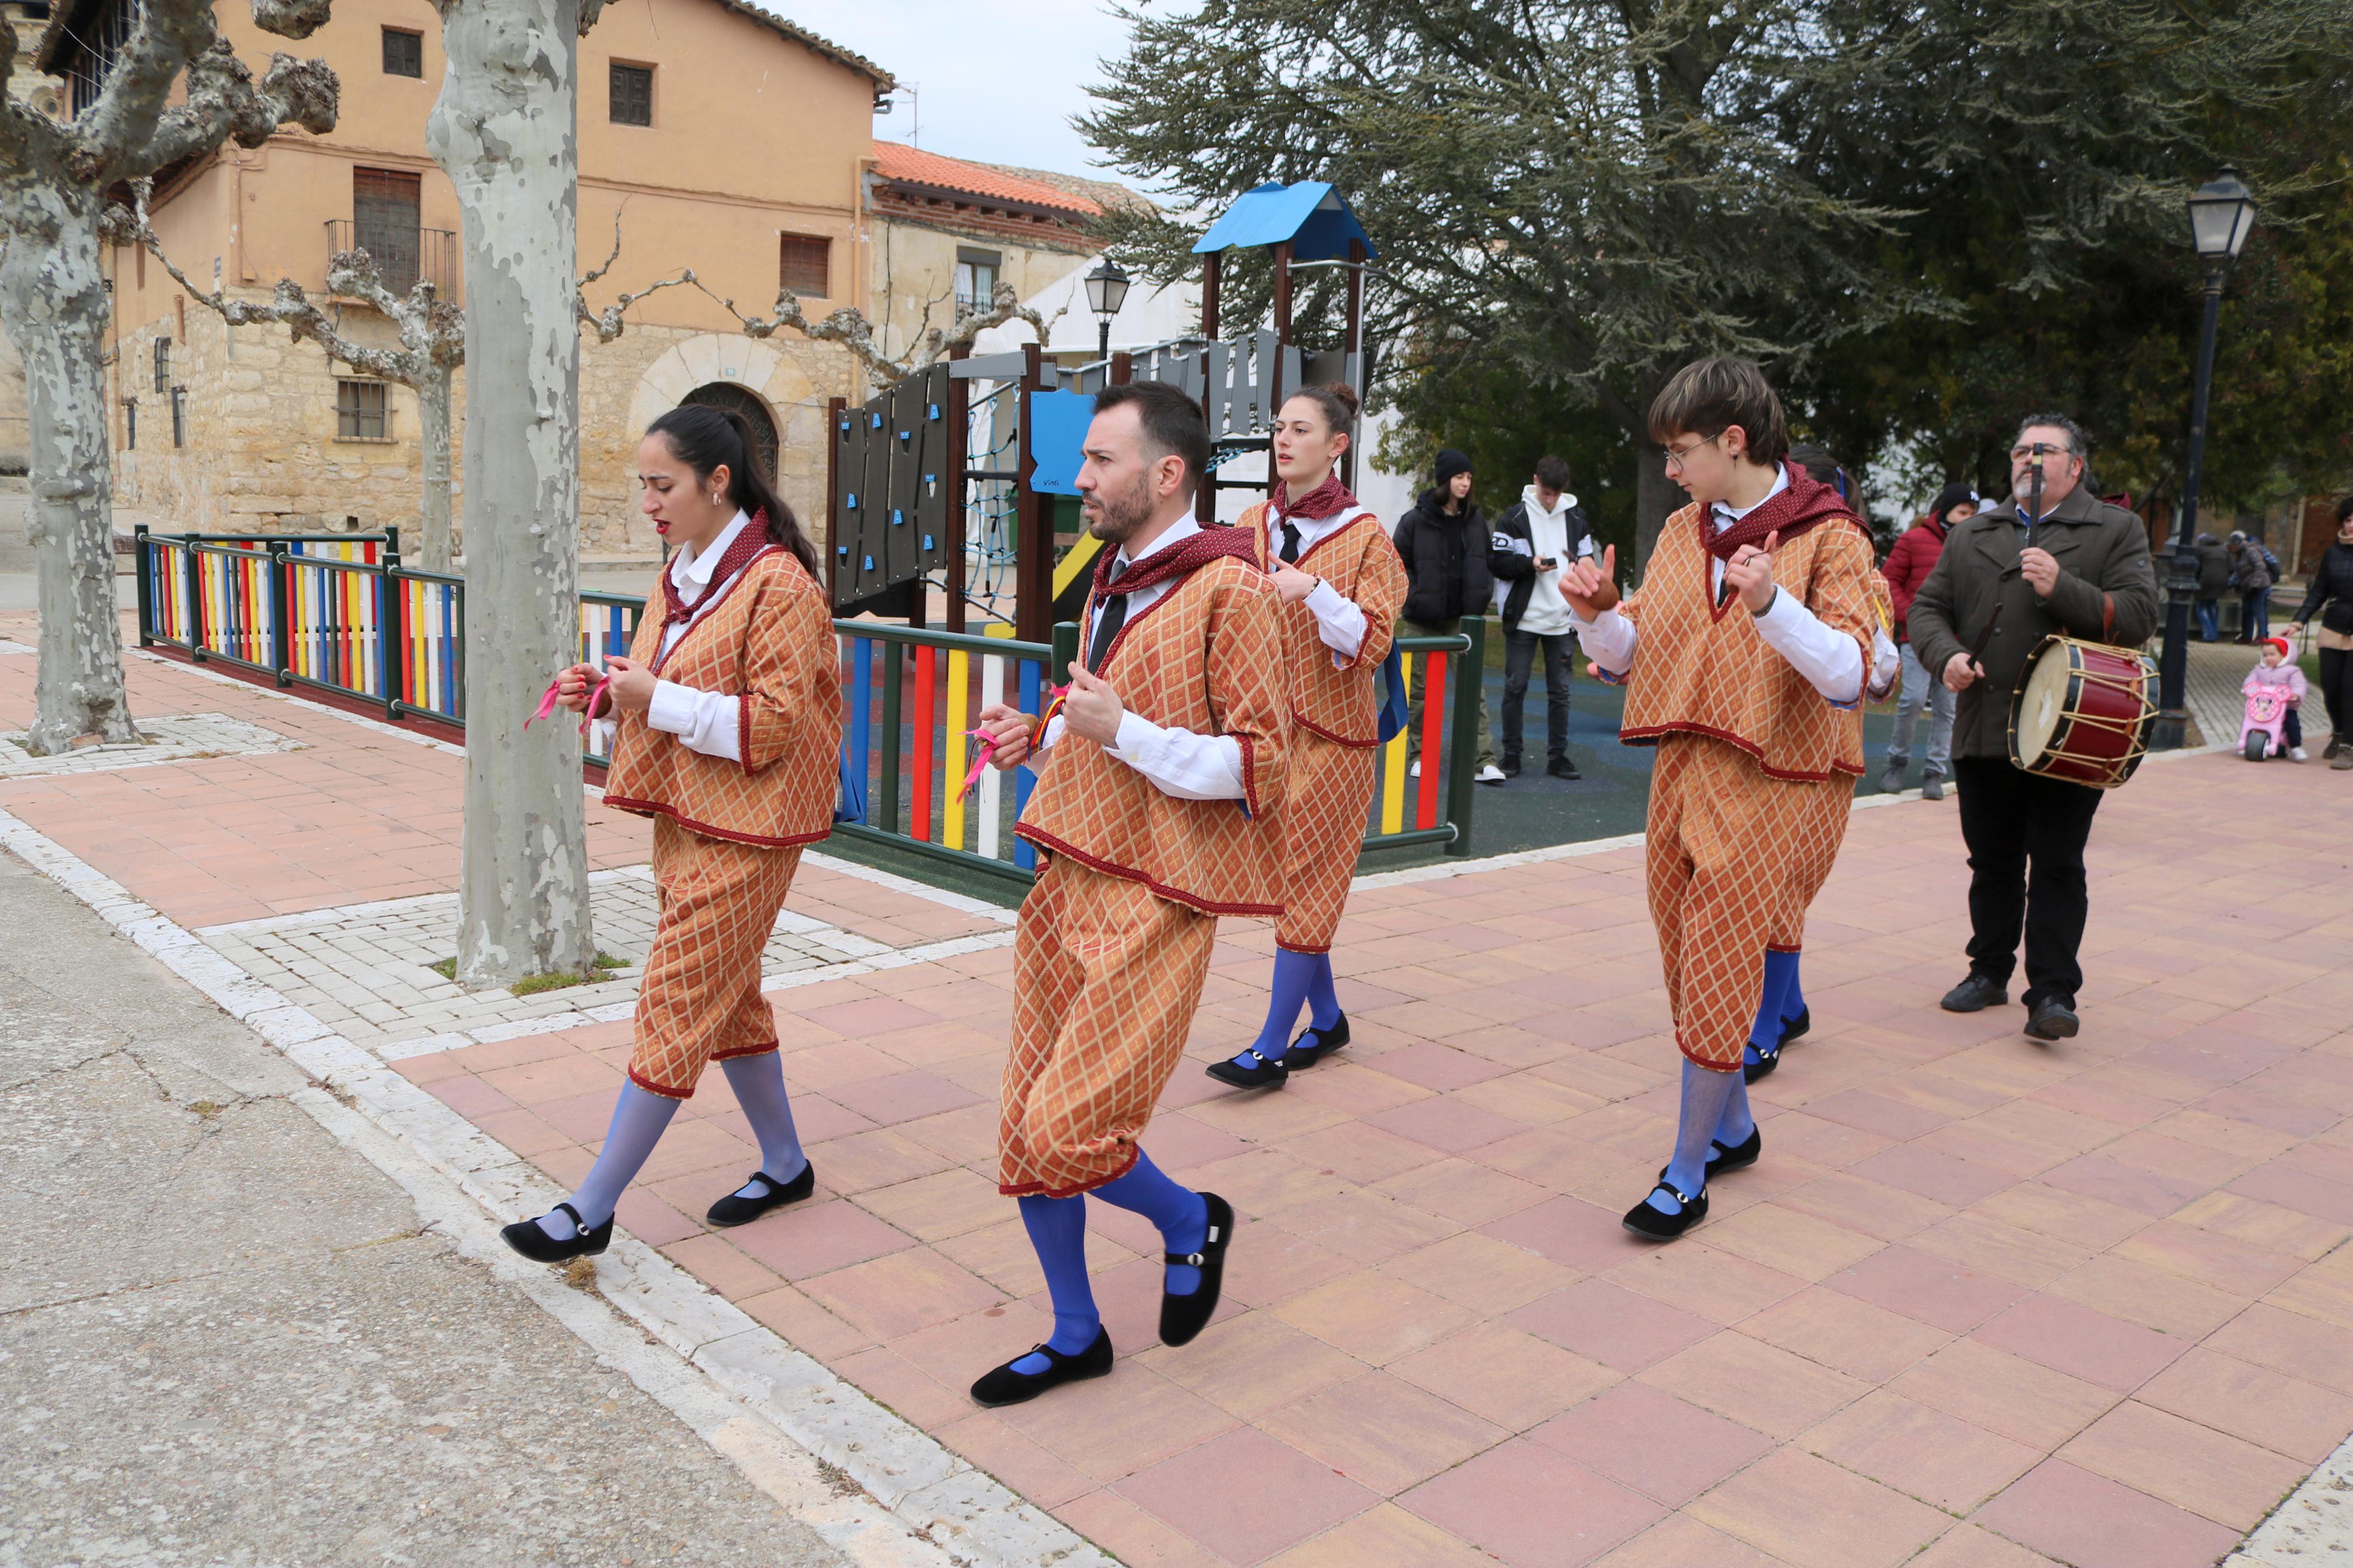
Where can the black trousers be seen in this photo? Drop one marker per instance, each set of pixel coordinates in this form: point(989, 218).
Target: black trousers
point(2337, 690)
point(1519, 661)
point(2025, 834)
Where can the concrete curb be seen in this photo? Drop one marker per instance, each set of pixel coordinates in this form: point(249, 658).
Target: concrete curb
point(781, 1416)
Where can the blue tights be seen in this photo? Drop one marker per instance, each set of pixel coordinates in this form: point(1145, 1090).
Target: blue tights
point(1779, 1000)
point(1300, 979)
point(1058, 1229)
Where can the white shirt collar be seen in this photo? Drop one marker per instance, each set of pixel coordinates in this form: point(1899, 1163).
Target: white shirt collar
point(694, 567)
point(1182, 529)
point(1725, 516)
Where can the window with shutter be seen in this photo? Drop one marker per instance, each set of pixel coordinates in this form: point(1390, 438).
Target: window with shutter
point(807, 265)
point(403, 52)
point(633, 95)
point(386, 208)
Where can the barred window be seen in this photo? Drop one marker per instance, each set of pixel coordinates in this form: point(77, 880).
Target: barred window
point(179, 416)
point(805, 265)
point(129, 424)
point(163, 364)
point(633, 95)
point(403, 52)
point(361, 411)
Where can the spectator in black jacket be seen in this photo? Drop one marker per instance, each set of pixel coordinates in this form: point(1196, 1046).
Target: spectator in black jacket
point(2331, 598)
point(2213, 580)
point(1443, 541)
point(1541, 532)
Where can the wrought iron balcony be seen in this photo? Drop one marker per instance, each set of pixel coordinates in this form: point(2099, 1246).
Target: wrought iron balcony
point(402, 255)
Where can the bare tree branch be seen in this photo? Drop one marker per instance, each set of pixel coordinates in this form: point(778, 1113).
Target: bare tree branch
point(607, 323)
point(223, 105)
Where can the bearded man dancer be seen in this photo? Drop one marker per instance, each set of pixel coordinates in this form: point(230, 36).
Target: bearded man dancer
point(1153, 814)
point(1754, 621)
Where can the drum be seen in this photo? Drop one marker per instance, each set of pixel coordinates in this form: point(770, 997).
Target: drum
point(2082, 712)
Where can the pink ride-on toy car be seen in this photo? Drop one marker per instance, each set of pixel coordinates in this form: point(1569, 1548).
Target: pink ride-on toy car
point(2260, 731)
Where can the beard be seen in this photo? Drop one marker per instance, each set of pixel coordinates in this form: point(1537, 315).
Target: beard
point(1116, 516)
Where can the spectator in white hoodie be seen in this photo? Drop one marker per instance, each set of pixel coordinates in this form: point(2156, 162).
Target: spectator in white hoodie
point(1543, 531)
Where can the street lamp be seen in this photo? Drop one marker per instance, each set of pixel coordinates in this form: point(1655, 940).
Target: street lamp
point(2220, 215)
point(1106, 292)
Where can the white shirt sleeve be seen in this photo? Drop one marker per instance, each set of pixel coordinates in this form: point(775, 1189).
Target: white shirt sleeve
point(703, 721)
point(1339, 621)
point(1179, 763)
point(1831, 660)
point(1607, 639)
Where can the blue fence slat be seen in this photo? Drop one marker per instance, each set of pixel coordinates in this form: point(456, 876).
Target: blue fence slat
point(861, 708)
point(1024, 854)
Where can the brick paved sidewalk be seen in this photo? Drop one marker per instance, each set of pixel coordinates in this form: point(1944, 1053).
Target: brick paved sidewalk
point(1983, 1302)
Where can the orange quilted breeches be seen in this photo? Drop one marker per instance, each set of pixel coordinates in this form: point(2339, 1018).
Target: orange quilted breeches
point(1106, 978)
point(1327, 793)
point(701, 999)
point(1731, 857)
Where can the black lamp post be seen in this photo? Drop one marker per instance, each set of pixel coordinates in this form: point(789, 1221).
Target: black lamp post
point(2220, 215)
point(1106, 292)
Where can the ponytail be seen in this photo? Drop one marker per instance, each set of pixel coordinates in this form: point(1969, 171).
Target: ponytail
point(706, 438)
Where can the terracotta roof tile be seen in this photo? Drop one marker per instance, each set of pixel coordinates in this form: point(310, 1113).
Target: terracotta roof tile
point(896, 161)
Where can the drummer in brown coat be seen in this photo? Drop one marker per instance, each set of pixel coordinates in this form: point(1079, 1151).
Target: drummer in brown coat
point(1998, 589)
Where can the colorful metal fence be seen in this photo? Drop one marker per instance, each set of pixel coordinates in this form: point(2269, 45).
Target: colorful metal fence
point(346, 616)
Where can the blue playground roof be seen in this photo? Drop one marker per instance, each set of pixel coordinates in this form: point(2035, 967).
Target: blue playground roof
point(1310, 215)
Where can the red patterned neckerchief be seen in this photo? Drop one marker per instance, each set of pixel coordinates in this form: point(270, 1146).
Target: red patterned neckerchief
point(749, 543)
point(1327, 500)
point(1179, 560)
point(1806, 502)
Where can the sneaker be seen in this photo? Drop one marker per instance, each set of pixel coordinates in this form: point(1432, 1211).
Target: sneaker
point(1932, 788)
point(1892, 781)
point(1562, 768)
point(1975, 994)
point(1511, 764)
point(2336, 744)
point(1490, 774)
point(2295, 754)
point(2344, 761)
point(1413, 769)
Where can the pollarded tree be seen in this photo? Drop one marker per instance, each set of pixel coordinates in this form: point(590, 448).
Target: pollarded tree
point(54, 180)
point(505, 130)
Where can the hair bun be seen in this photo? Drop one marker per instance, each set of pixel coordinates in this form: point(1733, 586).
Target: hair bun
point(1346, 393)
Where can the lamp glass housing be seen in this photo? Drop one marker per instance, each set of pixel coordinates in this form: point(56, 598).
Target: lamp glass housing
point(1106, 288)
point(2221, 215)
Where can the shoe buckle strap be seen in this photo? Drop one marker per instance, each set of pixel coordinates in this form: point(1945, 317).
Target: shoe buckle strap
point(1187, 1260)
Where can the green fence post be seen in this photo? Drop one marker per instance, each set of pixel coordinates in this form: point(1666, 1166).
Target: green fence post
point(195, 575)
point(146, 591)
point(1470, 687)
point(1066, 652)
point(281, 648)
point(392, 647)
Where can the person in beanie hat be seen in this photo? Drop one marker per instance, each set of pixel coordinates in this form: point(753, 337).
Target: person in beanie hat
point(1443, 543)
point(1908, 565)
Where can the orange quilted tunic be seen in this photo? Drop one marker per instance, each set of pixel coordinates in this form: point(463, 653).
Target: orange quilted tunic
point(1205, 657)
point(1702, 668)
point(769, 641)
point(1339, 702)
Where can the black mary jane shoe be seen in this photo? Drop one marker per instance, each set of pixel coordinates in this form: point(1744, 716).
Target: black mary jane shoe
point(1651, 1226)
point(1256, 1072)
point(1302, 1056)
point(527, 1237)
point(1006, 1386)
point(1183, 1317)
point(1762, 1065)
point(737, 1209)
point(1795, 1028)
point(1723, 1157)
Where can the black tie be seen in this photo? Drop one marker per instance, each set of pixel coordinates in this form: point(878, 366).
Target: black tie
point(1108, 620)
point(1290, 540)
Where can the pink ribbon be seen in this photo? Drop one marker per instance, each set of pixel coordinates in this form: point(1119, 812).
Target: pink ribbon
point(547, 702)
point(988, 742)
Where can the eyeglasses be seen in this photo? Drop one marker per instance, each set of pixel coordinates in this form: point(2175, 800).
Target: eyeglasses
point(1677, 457)
point(2040, 448)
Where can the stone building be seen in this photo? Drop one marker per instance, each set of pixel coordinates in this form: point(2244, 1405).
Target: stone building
point(717, 136)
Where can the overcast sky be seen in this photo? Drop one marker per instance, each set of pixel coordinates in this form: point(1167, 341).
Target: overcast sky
point(998, 79)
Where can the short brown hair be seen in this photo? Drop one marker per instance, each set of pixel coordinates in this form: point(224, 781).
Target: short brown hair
point(1709, 396)
point(1173, 423)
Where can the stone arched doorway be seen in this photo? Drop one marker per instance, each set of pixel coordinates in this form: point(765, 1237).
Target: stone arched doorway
point(741, 400)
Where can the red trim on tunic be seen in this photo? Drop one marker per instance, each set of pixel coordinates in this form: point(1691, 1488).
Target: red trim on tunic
point(1315, 728)
point(743, 731)
point(657, 808)
point(1294, 947)
point(1040, 1189)
point(1047, 841)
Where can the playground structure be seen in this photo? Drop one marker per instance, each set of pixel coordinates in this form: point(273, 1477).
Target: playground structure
point(951, 479)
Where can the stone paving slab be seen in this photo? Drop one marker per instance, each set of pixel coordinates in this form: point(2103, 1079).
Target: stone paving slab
point(172, 737)
point(1988, 1300)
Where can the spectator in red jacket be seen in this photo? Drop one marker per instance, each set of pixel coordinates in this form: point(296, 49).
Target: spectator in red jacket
point(1908, 565)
